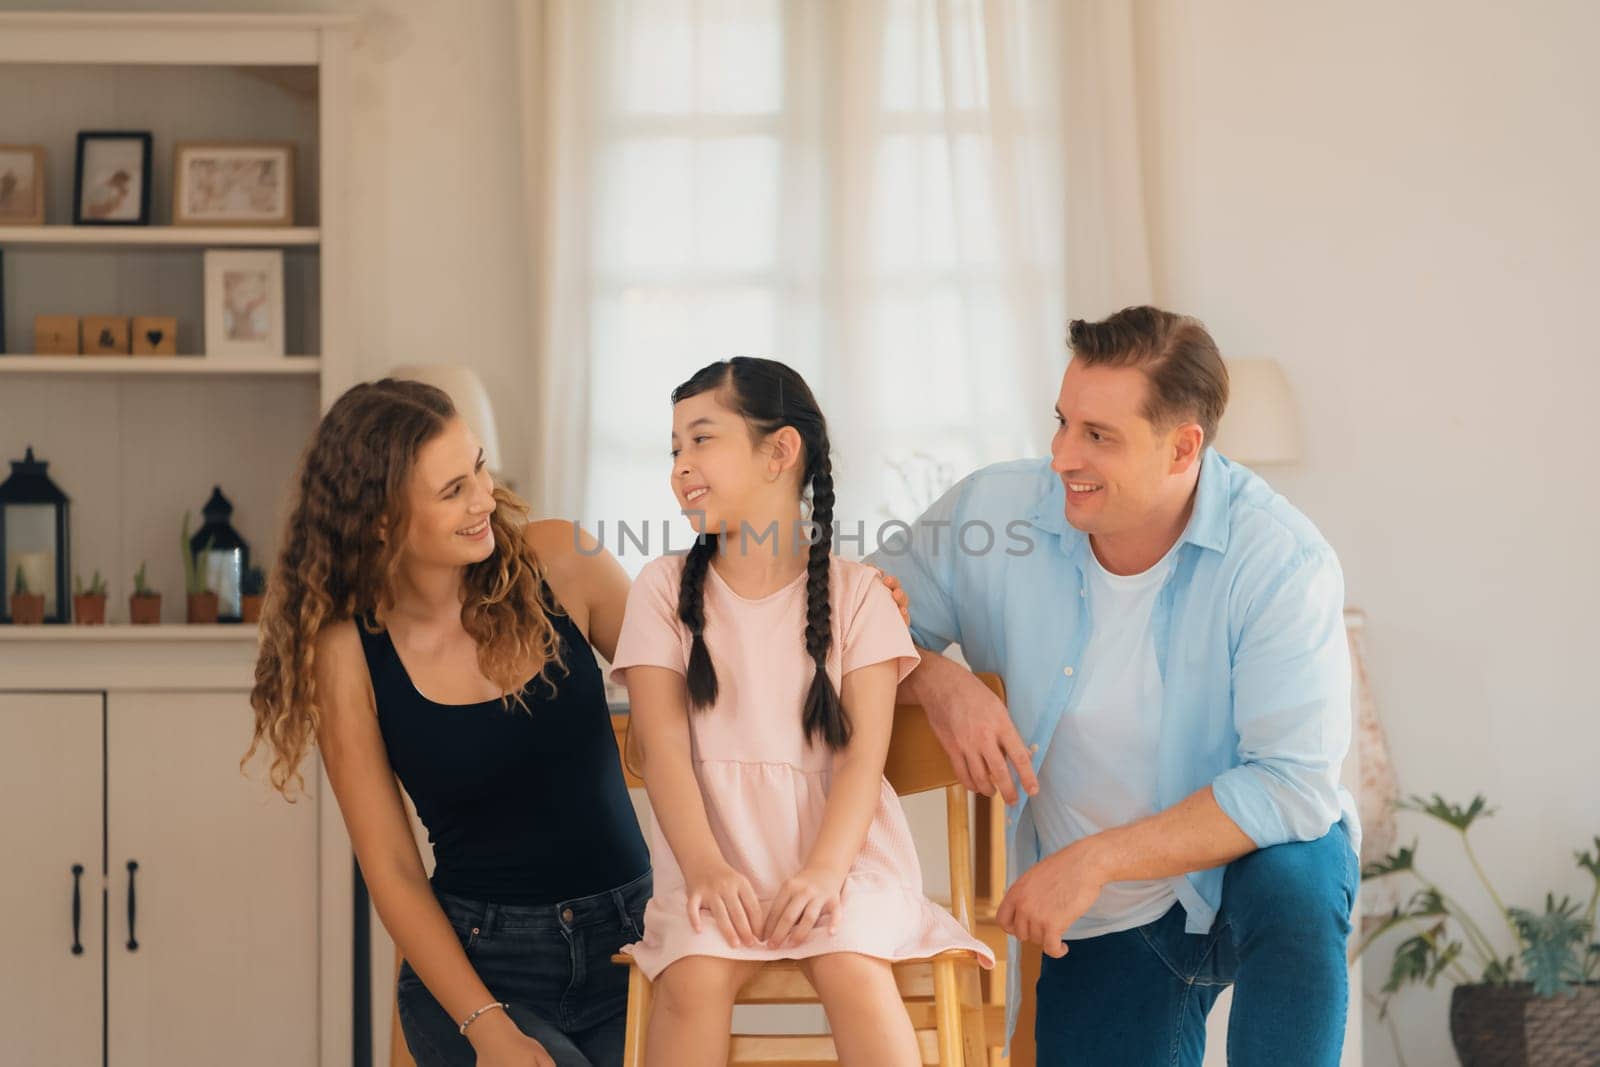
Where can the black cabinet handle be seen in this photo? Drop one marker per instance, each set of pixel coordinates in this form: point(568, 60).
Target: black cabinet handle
point(77, 907)
point(133, 902)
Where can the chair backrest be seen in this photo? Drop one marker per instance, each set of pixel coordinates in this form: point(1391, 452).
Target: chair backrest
point(917, 761)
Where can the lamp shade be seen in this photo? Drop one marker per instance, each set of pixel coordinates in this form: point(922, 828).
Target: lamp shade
point(1261, 426)
point(471, 399)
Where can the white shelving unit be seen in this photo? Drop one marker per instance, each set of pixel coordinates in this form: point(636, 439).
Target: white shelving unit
point(135, 366)
point(134, 441)
point(101, 237)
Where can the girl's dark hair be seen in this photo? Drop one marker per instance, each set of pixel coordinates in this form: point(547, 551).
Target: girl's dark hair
point(770, 396)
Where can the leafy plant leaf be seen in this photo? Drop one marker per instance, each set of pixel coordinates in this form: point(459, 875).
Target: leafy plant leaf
point(1401, 859)
point(1552, 945)
point(1501, 972)
point(1590, 861)
point(1410, 964)
point(1426, 903)
point(1441, 961)
point(1452, 814)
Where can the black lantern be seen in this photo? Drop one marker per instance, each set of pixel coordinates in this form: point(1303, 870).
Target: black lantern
point(33, 537)
point(223, 555)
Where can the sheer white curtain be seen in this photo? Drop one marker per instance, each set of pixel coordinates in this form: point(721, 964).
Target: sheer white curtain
point(873, 191)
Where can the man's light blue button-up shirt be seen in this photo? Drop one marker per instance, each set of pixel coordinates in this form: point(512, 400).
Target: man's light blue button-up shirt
point(1249, 636)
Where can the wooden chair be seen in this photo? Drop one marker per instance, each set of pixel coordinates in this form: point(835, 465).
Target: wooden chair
point(918, 759)
point(951, 1016)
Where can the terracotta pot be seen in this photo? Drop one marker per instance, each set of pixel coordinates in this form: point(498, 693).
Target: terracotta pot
point(202, 608)
point(250, 608)
point(144, 610)
point(89, 609)
point(27, 609)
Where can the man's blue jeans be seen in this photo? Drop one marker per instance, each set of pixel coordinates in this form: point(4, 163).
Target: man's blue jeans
point(1140, 997)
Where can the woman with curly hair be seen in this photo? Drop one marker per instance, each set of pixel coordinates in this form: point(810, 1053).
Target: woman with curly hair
point(417, 625)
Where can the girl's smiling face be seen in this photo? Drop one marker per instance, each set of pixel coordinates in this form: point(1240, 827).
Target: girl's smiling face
point(722, 476)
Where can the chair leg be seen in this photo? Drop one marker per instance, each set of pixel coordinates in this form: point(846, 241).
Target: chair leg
point(974, 1037)
point(947, 1012)
point(639, 997)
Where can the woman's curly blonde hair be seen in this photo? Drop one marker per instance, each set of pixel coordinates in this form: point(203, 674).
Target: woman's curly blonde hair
point(334, 566)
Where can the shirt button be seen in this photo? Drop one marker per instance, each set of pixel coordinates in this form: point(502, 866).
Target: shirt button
point(1083, 592)
point(1067, 671)
point(566, 915)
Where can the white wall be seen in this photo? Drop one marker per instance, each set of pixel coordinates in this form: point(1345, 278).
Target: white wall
point(1397, 201)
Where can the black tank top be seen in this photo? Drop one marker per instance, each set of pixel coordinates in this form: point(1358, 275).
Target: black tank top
point(520, 808)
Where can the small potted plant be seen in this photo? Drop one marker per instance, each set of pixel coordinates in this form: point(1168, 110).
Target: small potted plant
point(1535, 1004)
point(252, 591)
point(27, 608)
point(89, 604)
point(144, 606)
point(202, 598)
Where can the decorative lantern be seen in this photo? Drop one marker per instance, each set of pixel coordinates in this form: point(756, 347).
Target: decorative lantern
point(223, 555)
point(33, 537)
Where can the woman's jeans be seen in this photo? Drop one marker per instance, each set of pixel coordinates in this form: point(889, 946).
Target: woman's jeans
point(551, 963)
point(1140, 997)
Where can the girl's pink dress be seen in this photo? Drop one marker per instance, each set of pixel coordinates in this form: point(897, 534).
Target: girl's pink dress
point(764, 787)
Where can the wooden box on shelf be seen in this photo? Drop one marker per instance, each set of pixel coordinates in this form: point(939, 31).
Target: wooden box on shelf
point(105, 335)
point(155, 335)
point(55, 335)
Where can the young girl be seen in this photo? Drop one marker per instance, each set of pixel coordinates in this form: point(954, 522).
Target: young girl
point(418, 626)
point(761, 671)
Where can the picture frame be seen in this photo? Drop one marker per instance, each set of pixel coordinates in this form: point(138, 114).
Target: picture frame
point(244, 304)
point(22, 181)
point(233, 183)
point(111, 182)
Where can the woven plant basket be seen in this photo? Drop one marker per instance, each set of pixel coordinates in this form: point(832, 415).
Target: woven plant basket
point(1507, 1026)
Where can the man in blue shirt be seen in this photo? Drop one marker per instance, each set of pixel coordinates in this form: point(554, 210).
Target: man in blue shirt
point(1171, 636)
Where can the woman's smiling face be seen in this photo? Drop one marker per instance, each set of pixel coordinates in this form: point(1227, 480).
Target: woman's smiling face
point(449, 500)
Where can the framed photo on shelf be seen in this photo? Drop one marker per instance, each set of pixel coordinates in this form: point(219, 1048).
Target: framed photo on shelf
point(21, 185)
point(244, 304)
point(238, 183)
point(112, 183)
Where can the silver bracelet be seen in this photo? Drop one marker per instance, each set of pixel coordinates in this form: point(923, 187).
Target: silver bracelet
point(487, 1007)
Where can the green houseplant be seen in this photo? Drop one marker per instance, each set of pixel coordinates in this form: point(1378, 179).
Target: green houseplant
point(89, 602)
point(202, 598)
point(1537, 1004)
point(144, 604)
point(27, 607)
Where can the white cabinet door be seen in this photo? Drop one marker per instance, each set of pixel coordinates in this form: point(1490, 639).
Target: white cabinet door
point(51, 793)
point(226, 891)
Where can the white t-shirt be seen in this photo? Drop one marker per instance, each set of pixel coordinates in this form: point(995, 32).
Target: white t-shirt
point(1100, 769)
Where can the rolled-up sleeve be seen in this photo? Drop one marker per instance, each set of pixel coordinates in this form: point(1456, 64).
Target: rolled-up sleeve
point(1291, 705)
point(925, 563)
